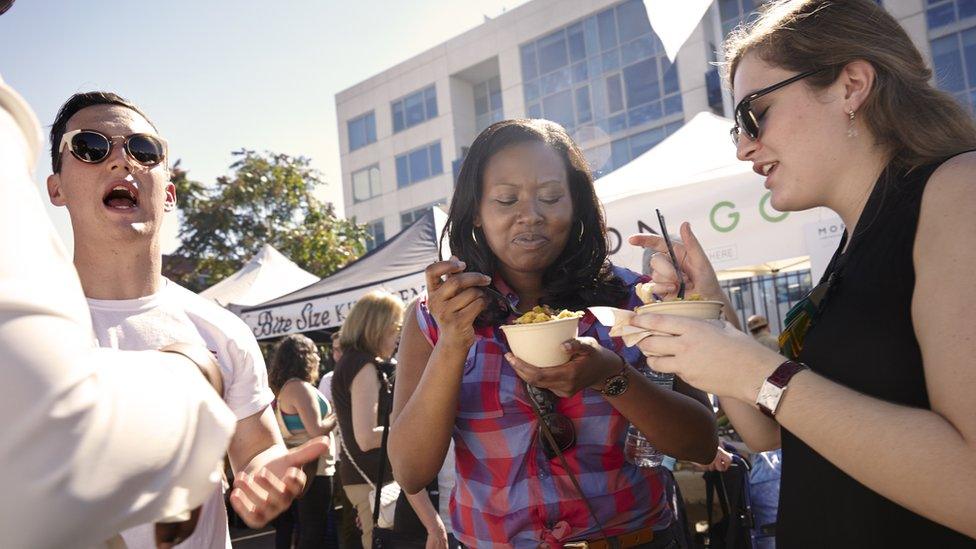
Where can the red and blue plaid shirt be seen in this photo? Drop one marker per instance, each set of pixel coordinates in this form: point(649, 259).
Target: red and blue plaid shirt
point(508, 493)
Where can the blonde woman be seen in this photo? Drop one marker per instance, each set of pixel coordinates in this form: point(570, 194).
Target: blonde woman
point(875, 410)
point(368, 339)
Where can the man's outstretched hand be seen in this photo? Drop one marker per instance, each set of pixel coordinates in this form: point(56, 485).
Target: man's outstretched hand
point(265, 492)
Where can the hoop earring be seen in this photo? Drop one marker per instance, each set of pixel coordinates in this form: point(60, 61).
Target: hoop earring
point(474, 237)
point(851, 130)
point(582, 227)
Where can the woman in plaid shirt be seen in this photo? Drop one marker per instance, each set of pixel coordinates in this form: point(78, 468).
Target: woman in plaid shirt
point(525, 219)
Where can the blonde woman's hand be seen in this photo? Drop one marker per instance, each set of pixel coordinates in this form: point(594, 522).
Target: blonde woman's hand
point(437, 536)
point(697, 270)
point(710, 355)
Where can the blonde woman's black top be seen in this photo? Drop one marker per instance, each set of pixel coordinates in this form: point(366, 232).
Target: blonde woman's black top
point(862, 337)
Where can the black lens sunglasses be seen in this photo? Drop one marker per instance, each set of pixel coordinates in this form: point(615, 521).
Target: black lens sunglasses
point(560, 427)
point(746, 120)
point(92, 147)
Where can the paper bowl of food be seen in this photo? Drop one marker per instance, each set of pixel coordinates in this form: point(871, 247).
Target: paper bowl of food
point(706, 310)
point(537, 337)
point(692, 306)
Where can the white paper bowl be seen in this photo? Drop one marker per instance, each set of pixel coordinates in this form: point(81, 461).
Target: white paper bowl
point(705, 310)
point(692, 309)
point(541, 344)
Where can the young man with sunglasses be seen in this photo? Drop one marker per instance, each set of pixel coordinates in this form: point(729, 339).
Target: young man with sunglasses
point(110, 172)
point(74, 465)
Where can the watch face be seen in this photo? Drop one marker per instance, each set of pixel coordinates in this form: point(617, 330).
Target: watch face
point(769, 396)
point(616, 385)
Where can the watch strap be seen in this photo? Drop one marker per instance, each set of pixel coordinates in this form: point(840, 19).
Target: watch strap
point(781, 377)
point(622, 372)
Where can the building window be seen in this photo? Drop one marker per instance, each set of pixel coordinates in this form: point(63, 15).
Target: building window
point(713, 88)
point(362, 131)
point(375, 234)
point(952, 34)
point(609, 70)
point(733, 12)
point(419, 164)
point(943, 13)
point(407, 218)
point(366, 184)
point(607, 158)
point(415, 108)
point(487, 102)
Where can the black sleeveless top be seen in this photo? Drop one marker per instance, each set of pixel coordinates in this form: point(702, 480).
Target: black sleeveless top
point(369, 462)
point(862, 337)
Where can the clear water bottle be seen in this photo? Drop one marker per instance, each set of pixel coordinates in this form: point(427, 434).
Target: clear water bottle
point(638, 450)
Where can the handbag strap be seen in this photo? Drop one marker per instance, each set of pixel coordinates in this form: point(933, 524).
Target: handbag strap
point(385, 422)
point(714, 484)
point(613, 542)
point(345, 449)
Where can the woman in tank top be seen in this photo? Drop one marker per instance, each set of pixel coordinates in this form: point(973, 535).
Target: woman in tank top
point(834, 105)
point(302, 414)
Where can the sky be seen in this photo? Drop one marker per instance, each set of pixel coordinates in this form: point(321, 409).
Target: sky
point(219, 75)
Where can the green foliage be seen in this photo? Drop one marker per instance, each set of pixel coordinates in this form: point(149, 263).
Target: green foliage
point(267, 200)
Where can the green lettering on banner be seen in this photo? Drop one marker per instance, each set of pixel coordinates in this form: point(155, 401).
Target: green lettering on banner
point(762, 210)
point(734, 216)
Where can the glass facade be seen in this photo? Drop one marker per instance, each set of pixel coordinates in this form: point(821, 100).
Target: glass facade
point(942, 13)
point(376, 234)
point(733, 12)
point(608, 71)
point(414, 109)
point(419, 164)
point(362, 131)
point(366, 184)
point(606, 158)
point(952, 34)
point(487, 102)
point(406, 218)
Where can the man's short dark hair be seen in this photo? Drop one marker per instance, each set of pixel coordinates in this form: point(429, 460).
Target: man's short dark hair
point(74, 104)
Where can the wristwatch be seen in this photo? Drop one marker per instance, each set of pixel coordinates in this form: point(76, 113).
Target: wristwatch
point(618, 383)
point(773, 388)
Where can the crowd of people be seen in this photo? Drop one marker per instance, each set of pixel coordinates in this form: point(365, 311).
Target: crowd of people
point(128, 390)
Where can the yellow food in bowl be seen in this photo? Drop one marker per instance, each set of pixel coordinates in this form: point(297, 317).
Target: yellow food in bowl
point(645, 291)
point(542, 313)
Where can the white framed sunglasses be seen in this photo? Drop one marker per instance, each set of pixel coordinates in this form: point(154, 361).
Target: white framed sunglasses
point(92, 147)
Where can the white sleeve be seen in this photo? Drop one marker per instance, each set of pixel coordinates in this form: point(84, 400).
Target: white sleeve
point(93, 440)
point(247, 391)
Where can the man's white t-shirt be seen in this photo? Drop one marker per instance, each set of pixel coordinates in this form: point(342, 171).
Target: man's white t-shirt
point(325, 386)
point(175, 314)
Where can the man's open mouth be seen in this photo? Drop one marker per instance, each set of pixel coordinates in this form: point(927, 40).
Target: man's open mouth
point(121, 197)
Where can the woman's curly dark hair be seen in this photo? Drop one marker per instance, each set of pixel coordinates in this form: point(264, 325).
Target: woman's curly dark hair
point(293, 357)
point(581, 276)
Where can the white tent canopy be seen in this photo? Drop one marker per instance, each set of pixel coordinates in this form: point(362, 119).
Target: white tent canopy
point(397, 266)
point(694, 176)
point(267, 275)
